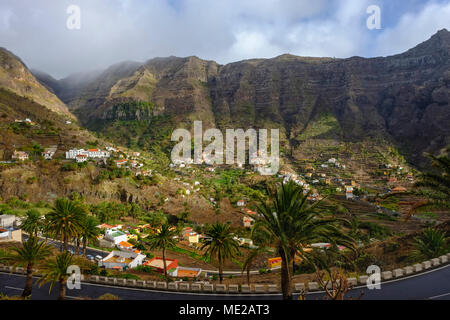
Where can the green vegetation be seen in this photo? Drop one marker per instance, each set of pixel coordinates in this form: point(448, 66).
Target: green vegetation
point(191, 254)
point(65, 221)
point(292, 225)
point(430, 244)
point(29, 255)
point(220, 245)
point(325, 126)
point(163, 240)
point(435, 185)
point(55, 270)
point(375, 230)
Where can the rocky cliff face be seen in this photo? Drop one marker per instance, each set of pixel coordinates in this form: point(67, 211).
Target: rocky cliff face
point(403, 99)
point(15, 76)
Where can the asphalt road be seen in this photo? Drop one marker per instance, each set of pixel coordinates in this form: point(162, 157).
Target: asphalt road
point(432, 285)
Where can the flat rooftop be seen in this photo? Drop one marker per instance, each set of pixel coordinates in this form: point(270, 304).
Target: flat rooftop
point(116, 259)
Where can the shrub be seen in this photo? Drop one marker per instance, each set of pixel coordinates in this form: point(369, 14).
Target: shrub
point(108, 296)
point(430, 244)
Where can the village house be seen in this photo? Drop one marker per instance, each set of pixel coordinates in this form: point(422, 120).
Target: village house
point(10, 234)
point(121, 163)
point(250, 212)
point(158, 264)
point(122, 260)
point(49, 153)
point(20, 155)
point(111, 149)
point(190, 235)
point(240, 203)
point(7, 220)
point(116, 236)
point(27, 120)
point(136, 164)
point(349, 192)
point(126, 246)
point(81, 158)
point(105, 226)
point(91, 153)
point(247, 222)
point(146, 173)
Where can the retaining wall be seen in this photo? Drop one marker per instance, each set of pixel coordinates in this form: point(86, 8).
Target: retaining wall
point(246, 289)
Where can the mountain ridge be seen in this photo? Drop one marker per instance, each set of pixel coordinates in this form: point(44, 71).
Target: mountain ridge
point(402, 98)
point(16, 77)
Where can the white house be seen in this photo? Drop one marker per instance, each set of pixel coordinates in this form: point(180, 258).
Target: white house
point(91, 153)
point(332, 160)
point(121, 163)
point(111, 149)
point(49, 153)
point(349, 192)
point(7, 220)
point(20, 155)
point(247, 222)
point(10, 234)
point(240, 203)
point(122, 260)
point(115, 236)
point(81, 158)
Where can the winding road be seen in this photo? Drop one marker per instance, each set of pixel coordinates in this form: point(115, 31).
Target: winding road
point(430, 285)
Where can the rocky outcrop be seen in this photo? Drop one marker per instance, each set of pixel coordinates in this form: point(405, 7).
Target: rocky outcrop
point(15, 77)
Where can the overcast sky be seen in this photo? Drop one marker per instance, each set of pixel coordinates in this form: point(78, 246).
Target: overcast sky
point(220, 30)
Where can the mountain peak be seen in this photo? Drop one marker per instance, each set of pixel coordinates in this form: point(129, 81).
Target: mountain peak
point(17, 78)
point(438, 43)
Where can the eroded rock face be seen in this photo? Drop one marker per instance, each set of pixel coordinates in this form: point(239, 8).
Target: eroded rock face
point(402, 98)
point(15, 77)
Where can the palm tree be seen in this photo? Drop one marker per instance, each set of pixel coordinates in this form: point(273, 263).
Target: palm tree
point(55, 270)
point(292, 225)
point(220, 244)
point(32, 223)
point(163, 240)
point(435, 185)
point(251, 258)
point(65, 220)
point(89, 232)
point(430, 244)
point(31, 252)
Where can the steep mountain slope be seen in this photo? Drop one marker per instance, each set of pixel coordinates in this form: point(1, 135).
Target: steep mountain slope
point(403, 98)
point(15, 76)
point(400, 100)
point(48, 128)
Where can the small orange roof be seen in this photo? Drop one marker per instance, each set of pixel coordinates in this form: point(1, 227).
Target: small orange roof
point(93, 150)
point(126, 244)
point(248, 211)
